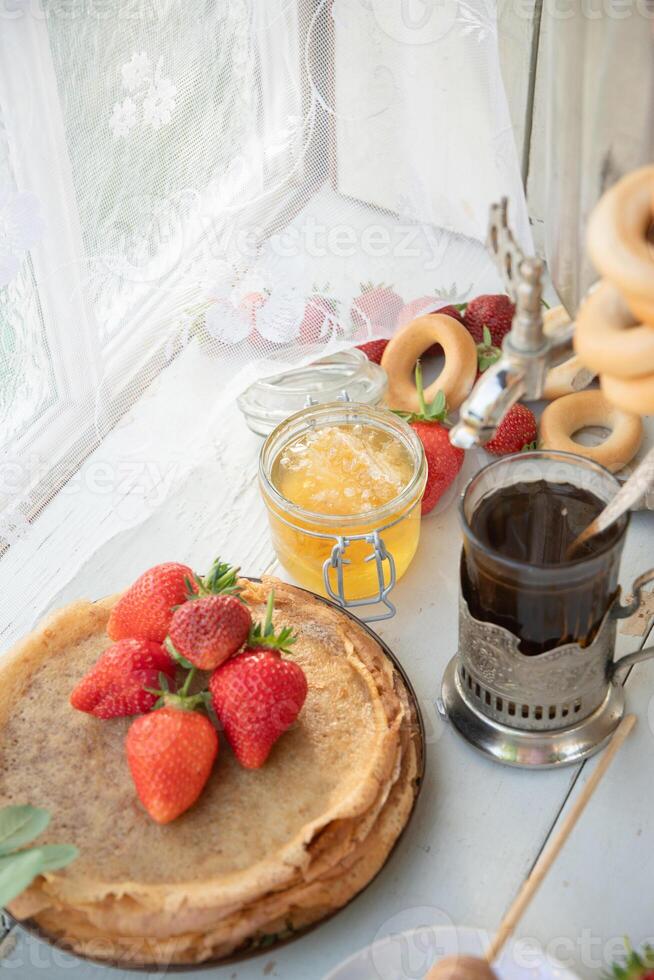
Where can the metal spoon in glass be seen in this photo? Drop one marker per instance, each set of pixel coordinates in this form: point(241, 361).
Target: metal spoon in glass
point(640, 481)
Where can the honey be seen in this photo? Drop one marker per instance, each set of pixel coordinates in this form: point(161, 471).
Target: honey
point(343, 469)
point(337, 472)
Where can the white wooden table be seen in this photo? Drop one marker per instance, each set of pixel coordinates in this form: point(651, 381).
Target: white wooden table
point(478, 826)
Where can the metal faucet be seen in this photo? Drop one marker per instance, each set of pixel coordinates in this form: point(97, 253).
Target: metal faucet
point(527, 353)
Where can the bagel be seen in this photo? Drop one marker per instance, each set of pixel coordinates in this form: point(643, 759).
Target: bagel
point(571, 375)
point(607, 338)
point(403, 350)
point(630, 395)
point(618, 240)
point(567, 415)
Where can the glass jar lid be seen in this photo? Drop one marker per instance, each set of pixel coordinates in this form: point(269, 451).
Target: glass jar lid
point(349, 373)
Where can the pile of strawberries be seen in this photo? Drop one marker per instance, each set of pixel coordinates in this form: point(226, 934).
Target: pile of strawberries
point(488, 318)
point(167, 626)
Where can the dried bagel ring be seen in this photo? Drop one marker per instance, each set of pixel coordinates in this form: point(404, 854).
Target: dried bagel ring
point(629, 394)
point(618, 240)
point(568, 376)
point(403, 350)
point(607, 339)
point(567, 415)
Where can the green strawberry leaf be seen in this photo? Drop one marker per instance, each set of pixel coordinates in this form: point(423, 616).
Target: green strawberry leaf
point(487, 353)
point(265, 636)
point(19, 825)
point(221, 579)
point(635, 964)
point(436, 410)
point(17, 872)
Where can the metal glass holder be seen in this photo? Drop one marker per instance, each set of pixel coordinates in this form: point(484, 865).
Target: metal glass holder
point(543, 711)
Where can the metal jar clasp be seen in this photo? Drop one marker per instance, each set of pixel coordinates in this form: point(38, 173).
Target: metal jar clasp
point(379, 555)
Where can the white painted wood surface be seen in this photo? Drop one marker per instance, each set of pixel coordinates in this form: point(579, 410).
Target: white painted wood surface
point(478, 826)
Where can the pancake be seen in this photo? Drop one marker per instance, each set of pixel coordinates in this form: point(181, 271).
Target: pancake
point(260, 847)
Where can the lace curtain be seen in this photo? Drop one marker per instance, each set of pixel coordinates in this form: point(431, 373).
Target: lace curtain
point(244, 179)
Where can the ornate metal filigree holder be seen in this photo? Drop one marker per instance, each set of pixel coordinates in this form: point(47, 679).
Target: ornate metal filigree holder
point(538, 712)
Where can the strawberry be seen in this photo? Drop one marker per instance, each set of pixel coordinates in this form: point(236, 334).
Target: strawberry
point(516, 431)
point(374, 349)
point(443, 459)
point(376, 308)
point(170, 754)
point(423, 306)
point(208, 630)
point(318, 320)
point(118, 684)
point(636, 966)
point(493, 311)
point(257, 695)
point(145, 610)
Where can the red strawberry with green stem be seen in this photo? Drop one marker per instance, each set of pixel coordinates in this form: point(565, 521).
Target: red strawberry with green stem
point(118, 683)
point(637, 966)
point(257, 695)
point(145, 610)
point(170, 754)
point(516, 431)
point(492, 311)
point(425, 306)
point(443, 459)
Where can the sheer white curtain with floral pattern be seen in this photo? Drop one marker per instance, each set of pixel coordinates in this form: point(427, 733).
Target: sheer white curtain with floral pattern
point(249, 179)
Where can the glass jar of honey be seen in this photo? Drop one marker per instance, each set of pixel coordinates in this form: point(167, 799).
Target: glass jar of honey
point(343, 484)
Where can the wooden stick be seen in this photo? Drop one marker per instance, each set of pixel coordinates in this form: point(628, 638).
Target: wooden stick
point(550, 854)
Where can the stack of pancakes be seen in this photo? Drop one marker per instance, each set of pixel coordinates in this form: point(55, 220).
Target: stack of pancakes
point(263, 852)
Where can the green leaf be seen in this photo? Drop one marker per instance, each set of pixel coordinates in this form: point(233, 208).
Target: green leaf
point(52, 857)
point(265, 636)
point(56, 856)
point(19, 825)
point(17, 871)
point(438, 408)
point(488, 340)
